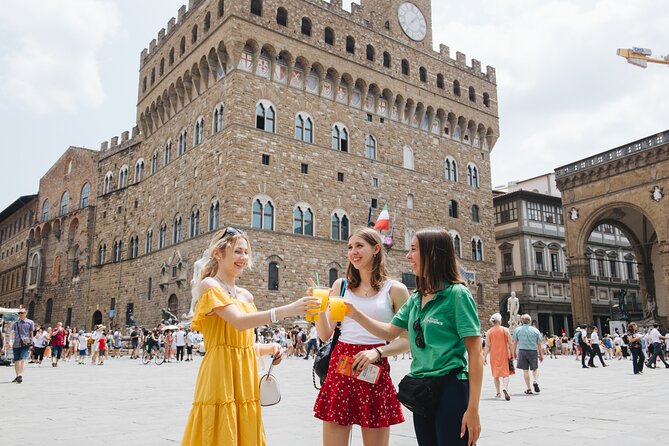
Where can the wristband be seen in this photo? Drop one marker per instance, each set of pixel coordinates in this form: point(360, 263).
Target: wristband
point(379, 352)
point(272, 316)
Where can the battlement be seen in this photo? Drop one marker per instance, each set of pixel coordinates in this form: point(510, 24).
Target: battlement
point(108, 148)
point(358, 14)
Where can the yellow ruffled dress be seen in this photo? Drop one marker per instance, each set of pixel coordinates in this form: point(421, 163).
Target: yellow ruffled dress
point(226, 407)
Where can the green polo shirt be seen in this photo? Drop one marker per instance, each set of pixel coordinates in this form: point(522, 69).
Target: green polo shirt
point(445, 320)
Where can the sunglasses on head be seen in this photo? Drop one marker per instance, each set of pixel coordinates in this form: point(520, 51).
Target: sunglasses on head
point(231, 231)
point(420, 340)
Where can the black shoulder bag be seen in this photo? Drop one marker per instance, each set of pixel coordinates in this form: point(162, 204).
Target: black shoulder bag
point(322, 361)
point(421, 395)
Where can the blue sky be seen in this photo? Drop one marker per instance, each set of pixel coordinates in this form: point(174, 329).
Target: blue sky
point(69, 76)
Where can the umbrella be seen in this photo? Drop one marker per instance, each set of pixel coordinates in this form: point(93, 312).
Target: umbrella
point(4, 310)
point(170, 327)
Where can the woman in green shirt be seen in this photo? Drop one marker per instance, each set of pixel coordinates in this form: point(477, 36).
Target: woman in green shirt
point(443, 325)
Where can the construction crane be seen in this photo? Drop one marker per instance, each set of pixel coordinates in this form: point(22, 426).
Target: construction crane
point(641, 56)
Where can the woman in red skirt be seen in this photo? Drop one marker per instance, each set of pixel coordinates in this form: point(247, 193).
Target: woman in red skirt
point(344, 400)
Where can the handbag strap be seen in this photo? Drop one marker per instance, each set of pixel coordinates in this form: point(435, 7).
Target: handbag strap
point(335, 336)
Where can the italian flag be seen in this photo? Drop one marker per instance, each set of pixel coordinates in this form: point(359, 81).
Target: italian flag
point(383, 222)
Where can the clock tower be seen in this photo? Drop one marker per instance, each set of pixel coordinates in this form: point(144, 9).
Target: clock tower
point(409, 20)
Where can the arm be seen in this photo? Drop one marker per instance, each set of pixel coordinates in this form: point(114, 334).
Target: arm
point(541, 353)
point(510, 345)
point(486, 351)
point(470, 420)
point(325, 326)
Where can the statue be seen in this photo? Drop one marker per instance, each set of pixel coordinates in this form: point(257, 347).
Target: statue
point(650, 307)
point(513, 307)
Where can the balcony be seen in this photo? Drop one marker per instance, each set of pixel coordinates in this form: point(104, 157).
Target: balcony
point(542, 273)
point(558, 274)
point(510, 273)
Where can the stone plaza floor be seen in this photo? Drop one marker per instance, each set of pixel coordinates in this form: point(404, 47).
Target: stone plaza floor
point(125, 402)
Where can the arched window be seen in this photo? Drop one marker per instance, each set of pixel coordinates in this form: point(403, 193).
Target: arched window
point(306, 26)
point(167, 153)
point(148, 246)
point(473, 175)
point(256, 7)
point(409, 201)
point(49, 310)
point(408, 158)
point(144, 85)
point(423, 74)
point(102, 254)
point(273, 276)
point(456, 88)
point(109, 178)
point(213, 216)
point(486, 100)
point(386, 59)
point(282, 17)
point(198, 137)
point(333, 275)
point(405, 67)
point(134, 247)
point(477, 249)
point(304, 128)
point(265, 116)
point(329, 36)
point(457, 243)
point(475, 213)
point(472, 94)
point(46, 206)
point(451, 169)
point(350, 44)
point(181, 142)
point(139, 170)
point(64, 203)
point(193, 34)
point(171, 57)
point(303, 220)
point(218, 118)
point(452, 208)
point(123, 177)
point(173, 304)
point(162, 236)
point(371, 53)
point(370, 147)
point(340, 137)
point(154, 162)
point(207, 22)
point(118, 251)
point(263, 214)
point(182, 46)
point(176, 230)
point(162, 66)
point(153, 76)
point(35, 269)
point(221, 8)
point(194, 223)
point(440, 81)
point(339, 225)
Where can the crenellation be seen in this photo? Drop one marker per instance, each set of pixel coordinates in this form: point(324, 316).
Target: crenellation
point(170, 26)
point(461, 59)
point(181, 15)
point(476, 66)
point(152, 46)
point(124, 136)
point(445, 52)
point(114, 141)
point(491, 74)
point(144, 55)
point(135, 131)
point(161, 36)
point(104, 146)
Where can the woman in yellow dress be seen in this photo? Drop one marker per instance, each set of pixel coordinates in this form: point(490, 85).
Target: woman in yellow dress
point(226, 407)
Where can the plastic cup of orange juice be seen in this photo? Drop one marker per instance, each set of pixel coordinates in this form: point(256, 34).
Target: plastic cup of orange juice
point(337, 309)
point(323, 295)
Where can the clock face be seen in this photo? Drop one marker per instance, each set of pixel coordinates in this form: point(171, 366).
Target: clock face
point(412, 21)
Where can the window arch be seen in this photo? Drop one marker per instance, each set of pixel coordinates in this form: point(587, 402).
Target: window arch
point(370, 147)
point(477, 248)
point(386, 59)
point(118, 251)
point(35, 270)
point(472, 94)
point(475, 214)
point(457, 242)
point(133, 251)
point(452, 208)
point(162, 235)
point(451, 169)
point(333, 275)
point(423, 74)
point(193, 34)
point(303, 220)
point(273, 276)
point(371, 53)
point(153, 76)
point(176, 230)
point(64, 203)
point(154, 162)
point(194, 223)
point(408, 158)
point(207, 22)
point(48, 311)
point(182, 46)
point(410, 201)
point(339, 225)
point(405, 67)
point(456, 88)
point(440, 81)
point(473, 175)
point(408, 235)
point(218, 118)
point(102, 254)
point(46, 206)
point(198, 136)
point(181, 142)
point(213, 215)
point(144, 85)
point(304, 127)
point(282, 17)
point(148, 246)
point(340, 137)
point(256, 7)
point(329, 36)
point(350, 44)
point(171, 57)
point(123, 177)
point(306, 26)
point(265, 116)
point(167, 152)
point(221, 8)
point(162, 66)
point(486, 100)
point(263, 213)
point(139, 170)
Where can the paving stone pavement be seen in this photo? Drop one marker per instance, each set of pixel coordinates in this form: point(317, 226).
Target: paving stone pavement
point(125, 402)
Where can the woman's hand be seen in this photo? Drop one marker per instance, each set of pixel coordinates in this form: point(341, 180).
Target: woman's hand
point(351, 311)
point(300, 306)
point(471, 424)
point(364, 358)
point(277, 354)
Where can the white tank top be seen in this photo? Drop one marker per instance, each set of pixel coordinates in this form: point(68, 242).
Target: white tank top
point(379, 307)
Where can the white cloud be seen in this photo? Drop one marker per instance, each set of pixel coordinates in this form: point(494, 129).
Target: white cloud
point(50, 53)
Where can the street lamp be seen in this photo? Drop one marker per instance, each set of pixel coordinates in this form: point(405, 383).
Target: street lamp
point(641, 56)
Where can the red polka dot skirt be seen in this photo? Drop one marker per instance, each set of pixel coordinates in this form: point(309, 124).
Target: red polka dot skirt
point(346, 400)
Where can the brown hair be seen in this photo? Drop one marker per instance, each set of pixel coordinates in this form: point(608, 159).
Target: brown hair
point(437, 261)
point(379, 273)
point(222, 241)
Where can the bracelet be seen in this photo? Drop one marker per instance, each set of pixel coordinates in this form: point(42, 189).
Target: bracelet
point(272, 316)
point(379, 352)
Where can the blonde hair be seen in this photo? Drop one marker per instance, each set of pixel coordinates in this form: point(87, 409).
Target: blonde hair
point(222, 241)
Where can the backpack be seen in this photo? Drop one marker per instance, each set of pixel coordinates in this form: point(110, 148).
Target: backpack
point(304, 337)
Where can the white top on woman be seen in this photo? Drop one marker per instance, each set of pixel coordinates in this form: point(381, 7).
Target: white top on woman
point(378, 306)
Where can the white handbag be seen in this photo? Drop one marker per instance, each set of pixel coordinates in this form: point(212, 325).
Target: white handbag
point(269, 389)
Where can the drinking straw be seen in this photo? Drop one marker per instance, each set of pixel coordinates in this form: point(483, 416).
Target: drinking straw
point(313, 284)
point(317, 281)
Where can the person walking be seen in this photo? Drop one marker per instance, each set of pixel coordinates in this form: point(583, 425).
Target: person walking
point(344, 401)
point(40, 342)
point(312, 341)
point(498, 345)
point(168, 338)
point(586, 350)
point(81, 347)
point(634, 343)
point(595, 346)
point(527, 342)
point(57, 343)
point(20, 336)
point(134, 342)
point(190, 342)
point(180, 339)
point(655, 347)
point(226, 404)
point(102, 348)
point(445, 341)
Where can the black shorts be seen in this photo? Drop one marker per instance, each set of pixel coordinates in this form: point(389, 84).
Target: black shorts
point(189, 349)
point(528, 360)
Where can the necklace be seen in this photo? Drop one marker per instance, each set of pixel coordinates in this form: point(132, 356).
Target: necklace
point(367, 291)
point(232, 293)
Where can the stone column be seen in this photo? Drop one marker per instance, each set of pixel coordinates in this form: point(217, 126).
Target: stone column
point(567, 328)
point(551, 327)
point(579, 280)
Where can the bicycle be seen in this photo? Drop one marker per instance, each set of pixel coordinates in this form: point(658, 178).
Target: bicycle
point(158, 356)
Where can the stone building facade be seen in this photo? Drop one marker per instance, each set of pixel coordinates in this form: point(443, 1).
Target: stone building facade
point(295, 122)
point(532, 259)
point(15, 222)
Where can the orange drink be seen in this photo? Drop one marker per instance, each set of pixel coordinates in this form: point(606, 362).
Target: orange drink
point(337, 309)
point(323, 294)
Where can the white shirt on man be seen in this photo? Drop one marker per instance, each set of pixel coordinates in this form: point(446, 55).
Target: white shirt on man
point(180, 337)
point(653, 336)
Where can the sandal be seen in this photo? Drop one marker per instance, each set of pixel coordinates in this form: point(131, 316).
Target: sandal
point(528, 392)
point(498, 395)
point(506, 395)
